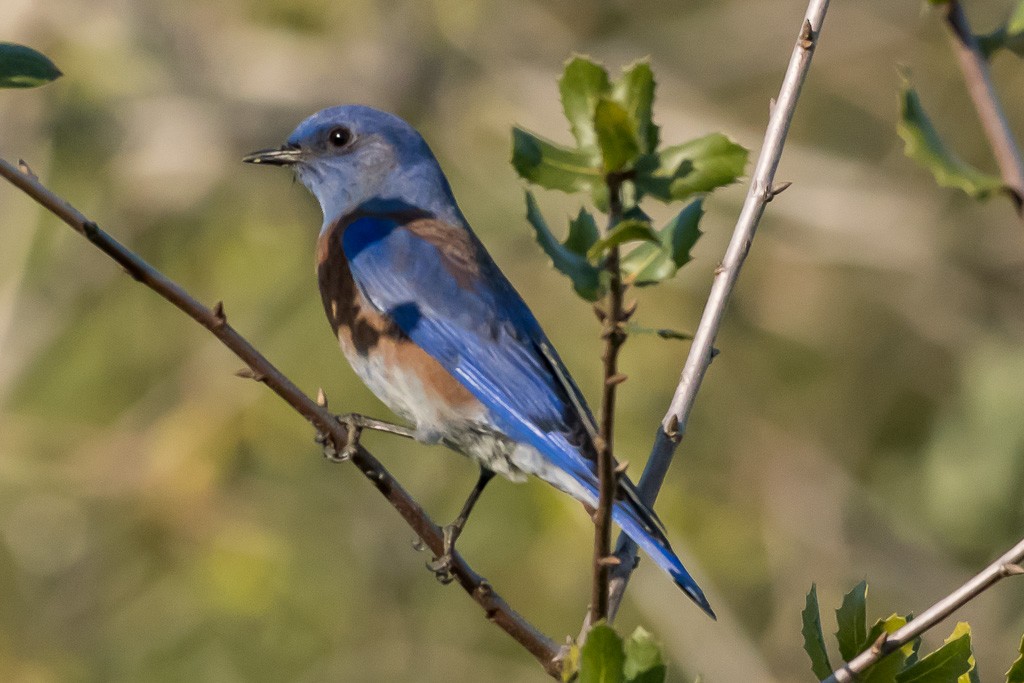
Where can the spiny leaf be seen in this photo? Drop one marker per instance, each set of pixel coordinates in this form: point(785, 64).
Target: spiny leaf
point(553, 166)
point(923, 144)
point(700, 165)
point(852, 619)
point(582, 83)
point(885, 671)
point(649, 263)
point(583, 232)
point(602, 656)
point(814, 639)
point(1009, 36)
point(664, 333)
point(629, 230)
point(1016, 672)
point(616, 134)
point(23, 67)
point(635, 91)
point(586, 278)
point(947, 664)
point(643, 659)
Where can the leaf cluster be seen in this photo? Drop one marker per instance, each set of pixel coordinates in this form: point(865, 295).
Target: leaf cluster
point(953, 662)
point(617, 149)
point(608, 658)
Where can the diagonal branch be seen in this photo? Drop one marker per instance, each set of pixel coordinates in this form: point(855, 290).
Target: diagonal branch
point(1007, 565)
point(979, 84)
point(496, 609)
point(762, 190)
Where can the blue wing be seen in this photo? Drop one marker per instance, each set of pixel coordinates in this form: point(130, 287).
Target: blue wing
point(442, 289)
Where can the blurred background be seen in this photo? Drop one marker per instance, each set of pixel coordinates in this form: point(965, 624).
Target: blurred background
point(163, 520)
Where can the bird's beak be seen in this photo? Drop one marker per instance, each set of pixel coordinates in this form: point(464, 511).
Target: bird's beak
point(286, 155)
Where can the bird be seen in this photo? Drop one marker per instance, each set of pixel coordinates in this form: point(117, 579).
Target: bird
point(435, 330)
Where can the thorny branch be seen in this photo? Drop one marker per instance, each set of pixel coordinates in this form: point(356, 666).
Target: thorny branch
point(260, 369)
point(979, 84)
point(1007, 565)
point(762, 190)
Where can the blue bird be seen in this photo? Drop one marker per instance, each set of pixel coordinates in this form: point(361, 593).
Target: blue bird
point(433, 327)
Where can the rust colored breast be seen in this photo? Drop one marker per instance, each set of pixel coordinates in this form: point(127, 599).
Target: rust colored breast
point(367, 335)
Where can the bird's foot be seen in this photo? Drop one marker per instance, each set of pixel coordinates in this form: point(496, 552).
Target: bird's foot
point(442, 566)
point(354, 426)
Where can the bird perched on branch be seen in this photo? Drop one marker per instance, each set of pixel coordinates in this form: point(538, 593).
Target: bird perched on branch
point(434, 328)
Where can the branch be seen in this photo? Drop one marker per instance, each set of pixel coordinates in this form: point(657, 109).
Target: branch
point(761, 191)
point(614, 337)
point(986, 102)
point(497, 610)
point(1007, 565)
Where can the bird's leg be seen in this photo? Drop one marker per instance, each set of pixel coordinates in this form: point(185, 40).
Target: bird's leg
point(441, 566)
point(355, 424)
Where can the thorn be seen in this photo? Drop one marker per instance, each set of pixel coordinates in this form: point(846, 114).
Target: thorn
point(90, 229)
point(1011, 569)
point(714, 352)
point(672, 431)
point(616, 379)
point(720, 269)
point(609, 561)
point(418, 545)
point(601, 314)
point(807, 35)
point(218, 313)
point(629, 310)
point(776, 190)
point(876, 647)
point(249, 373)
point(24, 168)
point(771, 107)
point(622, 467)
point(321, 397)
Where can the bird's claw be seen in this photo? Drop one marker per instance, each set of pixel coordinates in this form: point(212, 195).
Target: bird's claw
point(442, 566)
point(331, 452)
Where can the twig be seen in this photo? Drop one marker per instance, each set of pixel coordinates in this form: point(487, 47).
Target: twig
point(979, 84)
point(614, 337)
point(1007, 565)
point(762, 190)
point(259, 368)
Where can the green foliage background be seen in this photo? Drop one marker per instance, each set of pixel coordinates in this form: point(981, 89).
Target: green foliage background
point(162, 520)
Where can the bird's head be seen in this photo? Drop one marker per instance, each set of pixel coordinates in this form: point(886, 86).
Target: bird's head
point(352, 154)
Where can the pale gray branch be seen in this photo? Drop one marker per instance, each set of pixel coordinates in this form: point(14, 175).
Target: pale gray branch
point(762, 190)
point(1007, 565)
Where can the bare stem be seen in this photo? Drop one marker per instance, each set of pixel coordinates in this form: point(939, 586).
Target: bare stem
point(496, 609)
point(979, 84)
point(762, 190)
point(1007, 565)
point(614, 336)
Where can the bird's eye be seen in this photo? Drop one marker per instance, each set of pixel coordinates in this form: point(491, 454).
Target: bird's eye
point(339, 137)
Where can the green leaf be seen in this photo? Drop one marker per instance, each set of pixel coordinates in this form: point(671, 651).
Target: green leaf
point(23, 67)
point(583, 232)
point(586, 278)
point(885, 671)
point(616, 134)
point(553, 166)
point(923, 144)
point(602, 656)
point(571, 663)
point(664, 333)
point(649, 263)
point(629, 230)
point(814, 639)
point(583, 82)
point(945, 665)
point(852, 619)
point(696, 166)
point(635, 91)
point(643, 659)
point(1009, 36)
point(1016, 672)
